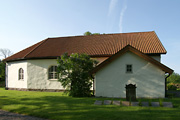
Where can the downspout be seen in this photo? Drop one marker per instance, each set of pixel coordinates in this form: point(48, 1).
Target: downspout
point(93, 84)
point(6, 72)
point(6, 76)
point(166, 84)
point(93, 87)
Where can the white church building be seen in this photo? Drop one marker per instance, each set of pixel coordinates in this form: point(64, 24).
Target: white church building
point(125, 58)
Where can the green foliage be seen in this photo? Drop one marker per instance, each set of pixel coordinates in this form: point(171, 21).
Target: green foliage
point(2, 83)
point(96, 33)
point(174, 78)
point(161, 102)
point(74, 74)
point(89, 33)
point(2, 70)
point(171, 95)
point(171, 86)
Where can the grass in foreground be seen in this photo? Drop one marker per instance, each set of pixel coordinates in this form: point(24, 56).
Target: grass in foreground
point(55, 105)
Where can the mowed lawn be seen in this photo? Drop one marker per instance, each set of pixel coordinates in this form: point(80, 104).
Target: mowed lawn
point(56, 105)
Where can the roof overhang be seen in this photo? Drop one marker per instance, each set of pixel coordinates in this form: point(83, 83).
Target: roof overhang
point(135, 51)
point(104, 45)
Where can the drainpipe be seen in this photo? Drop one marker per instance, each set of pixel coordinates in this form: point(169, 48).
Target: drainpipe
point(93, 83)
point(6, 76)
point(166, 84)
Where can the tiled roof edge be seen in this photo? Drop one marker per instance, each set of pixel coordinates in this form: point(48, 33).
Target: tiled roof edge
point(35, 48)
point(160, 42)
point(135, 51)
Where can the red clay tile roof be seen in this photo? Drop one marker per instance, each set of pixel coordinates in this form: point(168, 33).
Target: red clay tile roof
point(135, 51)
point(93, 45)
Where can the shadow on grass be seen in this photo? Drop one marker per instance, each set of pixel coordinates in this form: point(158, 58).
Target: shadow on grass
point(64, 107)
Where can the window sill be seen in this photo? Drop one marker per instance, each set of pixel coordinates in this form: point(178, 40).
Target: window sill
point(53, 79)
point(21, 79)
point(129, 72)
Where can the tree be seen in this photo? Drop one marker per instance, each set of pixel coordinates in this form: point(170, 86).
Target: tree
point(174, 78)
point(89, 33)
point(74, 74)
point(96, 34)
point(5, 52)
point(2, 70)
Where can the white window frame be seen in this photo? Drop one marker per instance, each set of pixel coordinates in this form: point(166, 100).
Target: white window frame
point(20, 74)
point(54, 73)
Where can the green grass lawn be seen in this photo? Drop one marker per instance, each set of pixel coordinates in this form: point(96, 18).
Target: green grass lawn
point(56, 105)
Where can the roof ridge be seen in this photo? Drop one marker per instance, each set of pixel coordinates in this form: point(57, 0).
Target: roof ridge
point(35, 48)
point(98, 34)
point(105, 44)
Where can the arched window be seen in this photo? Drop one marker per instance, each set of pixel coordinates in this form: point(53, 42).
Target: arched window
point(53, 72)
point(21, 74)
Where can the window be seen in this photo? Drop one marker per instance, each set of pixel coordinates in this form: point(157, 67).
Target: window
point(21, 74)
point(128, 68)
point(53, 72)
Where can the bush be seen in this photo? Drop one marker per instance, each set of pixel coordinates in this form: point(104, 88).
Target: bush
point(171, 86)
point(2, 71)
point(74, 74)
point(2, 83)
point(171, 95)
point(174, 78)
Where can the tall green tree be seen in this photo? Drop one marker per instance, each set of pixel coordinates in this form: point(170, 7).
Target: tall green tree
point(96, 34)
point(74, 73)
point(174, 78)
point(89, 33)
point(2, 70)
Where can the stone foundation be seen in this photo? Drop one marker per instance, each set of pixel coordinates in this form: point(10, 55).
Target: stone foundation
point(41, 90)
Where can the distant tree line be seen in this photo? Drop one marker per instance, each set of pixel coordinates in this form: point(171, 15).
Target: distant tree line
point(173, 82)
point(89, 33)
point(4, 53)
point(2, 71)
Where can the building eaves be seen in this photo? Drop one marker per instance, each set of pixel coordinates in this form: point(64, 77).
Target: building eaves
point(135, 51)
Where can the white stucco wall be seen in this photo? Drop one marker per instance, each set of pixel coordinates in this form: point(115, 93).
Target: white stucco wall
point(156, 57)
point(38, 74)
point(12, 69)
point(111, 80)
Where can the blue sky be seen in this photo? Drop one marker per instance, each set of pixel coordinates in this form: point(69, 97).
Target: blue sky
point(26, 22)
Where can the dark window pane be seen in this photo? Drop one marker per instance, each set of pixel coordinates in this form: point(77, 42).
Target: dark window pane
point(51, 69)
point(21, 74)
point(55, 76)
point(53, 72)
point(55, 68)
point(128, 68)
